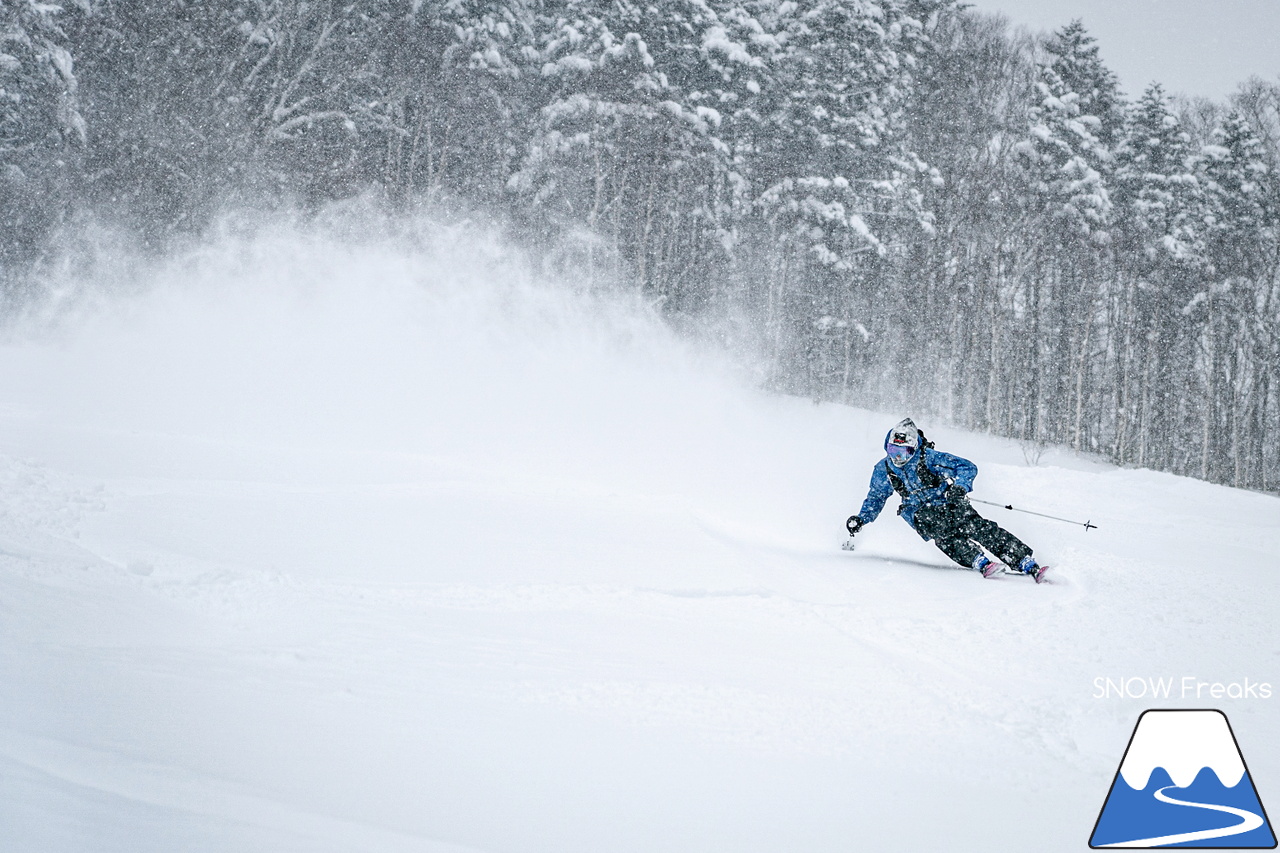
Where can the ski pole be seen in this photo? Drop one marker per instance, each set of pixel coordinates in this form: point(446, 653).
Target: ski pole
point(1087, 524)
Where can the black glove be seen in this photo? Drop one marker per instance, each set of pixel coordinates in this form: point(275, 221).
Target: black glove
point(854, 524)
point(956, 493)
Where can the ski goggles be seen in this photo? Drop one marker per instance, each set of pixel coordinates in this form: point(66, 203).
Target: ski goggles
point(900, 452)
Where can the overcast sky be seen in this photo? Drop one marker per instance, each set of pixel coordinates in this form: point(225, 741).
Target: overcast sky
point(1195, 47)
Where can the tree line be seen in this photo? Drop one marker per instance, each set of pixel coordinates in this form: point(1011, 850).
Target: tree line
point(893, 203)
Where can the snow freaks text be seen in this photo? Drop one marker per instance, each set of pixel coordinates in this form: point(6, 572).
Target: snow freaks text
point(1186, 687)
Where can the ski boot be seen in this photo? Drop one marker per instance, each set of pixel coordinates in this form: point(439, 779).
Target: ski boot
point(1029, 566)
point(989, 568)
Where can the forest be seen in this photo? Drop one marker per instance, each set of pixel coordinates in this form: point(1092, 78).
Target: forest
point(898, 204)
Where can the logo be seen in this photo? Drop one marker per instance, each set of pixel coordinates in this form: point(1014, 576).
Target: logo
point(1183, 782)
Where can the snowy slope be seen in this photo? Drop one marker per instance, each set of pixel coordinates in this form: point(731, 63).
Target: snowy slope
point(312, 548)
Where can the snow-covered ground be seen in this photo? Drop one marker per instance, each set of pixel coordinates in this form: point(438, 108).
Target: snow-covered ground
point(306, 547)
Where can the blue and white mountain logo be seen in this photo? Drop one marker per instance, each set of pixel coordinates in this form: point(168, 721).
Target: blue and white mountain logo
point(1183, 783)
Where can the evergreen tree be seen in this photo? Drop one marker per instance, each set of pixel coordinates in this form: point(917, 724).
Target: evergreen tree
point(1062, 152)
point(832, 157)
point(166, 132)
point(1162, 258)
point(1077, 63)
point(1157, 185)
point(454, 86)
point(1240, 203)
point(836, 184)
point(1069, 169)
point(40, 126)
point(38, 104)
point(1237, 312)
point(1074, 126)
point(630, 142)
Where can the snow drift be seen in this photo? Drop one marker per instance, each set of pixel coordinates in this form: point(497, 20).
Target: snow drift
point(433, 348)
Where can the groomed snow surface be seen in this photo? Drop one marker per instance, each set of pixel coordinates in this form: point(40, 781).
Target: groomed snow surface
point(320, 545)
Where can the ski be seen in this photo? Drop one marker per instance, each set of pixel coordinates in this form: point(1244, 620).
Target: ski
point(997, 568)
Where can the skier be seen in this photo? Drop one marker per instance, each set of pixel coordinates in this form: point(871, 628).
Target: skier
point(934, 486)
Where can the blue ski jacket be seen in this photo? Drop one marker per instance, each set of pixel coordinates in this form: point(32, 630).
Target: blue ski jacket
point(946, 467)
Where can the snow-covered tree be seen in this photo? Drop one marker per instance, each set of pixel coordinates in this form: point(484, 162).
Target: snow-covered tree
point(1062, 154)
point(1162, 259)
point(40, 126)
point(449, 89)
point(1157, 184)
point(836, 185)
point(828, 160)
point(1237, 309)
point(1066, 152)
point(1077, 62)
point(631, 142)
point(1241, 207)
point(38, 103)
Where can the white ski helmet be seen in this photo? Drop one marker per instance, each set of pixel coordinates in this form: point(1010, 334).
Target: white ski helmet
point(902, 441)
